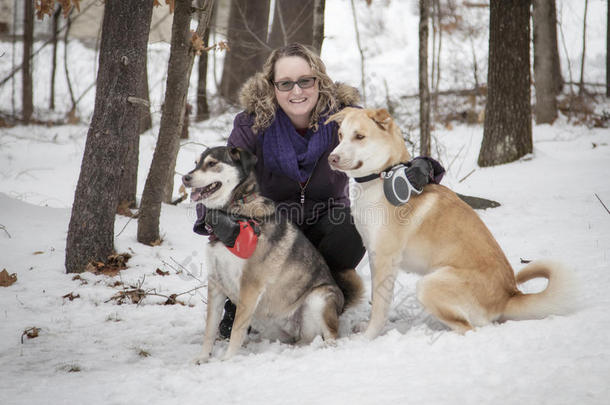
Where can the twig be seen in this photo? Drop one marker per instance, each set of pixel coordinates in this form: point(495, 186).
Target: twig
point(362, 83)
point(4, 229)
point(125, 226)
point(18, 68)
point(465, 177)
point(602, 203)
point(182, 268)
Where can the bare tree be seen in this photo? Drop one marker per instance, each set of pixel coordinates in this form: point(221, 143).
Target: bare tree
point(362, 71)
point(292, 22)
point(318, 24)
point(181, 60)
point(54, 36)
point(28, 40)
point(507, 133)
point(581, 84)
point(424, 91)
point(248, 21)
point(545, 46)
point(203, 110)
point(125, 31)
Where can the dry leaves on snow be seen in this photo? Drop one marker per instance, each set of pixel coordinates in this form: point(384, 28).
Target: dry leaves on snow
point(7, 279)
point(113, 265)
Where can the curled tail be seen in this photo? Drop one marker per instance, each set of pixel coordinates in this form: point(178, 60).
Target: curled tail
point(351, 286)
point(556, 299)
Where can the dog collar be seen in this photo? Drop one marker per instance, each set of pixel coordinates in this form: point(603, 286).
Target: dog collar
point(374, 176)
point(370, 177)
point(246, 199)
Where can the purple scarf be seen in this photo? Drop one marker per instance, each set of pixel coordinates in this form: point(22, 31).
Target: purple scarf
point(288, 153)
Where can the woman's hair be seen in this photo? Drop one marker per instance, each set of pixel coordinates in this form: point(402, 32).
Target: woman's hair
point(265, 104)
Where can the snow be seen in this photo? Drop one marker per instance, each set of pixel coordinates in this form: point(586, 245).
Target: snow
point(91, 349)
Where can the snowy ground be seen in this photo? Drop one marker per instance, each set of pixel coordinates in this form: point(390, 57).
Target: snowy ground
point(92, 350)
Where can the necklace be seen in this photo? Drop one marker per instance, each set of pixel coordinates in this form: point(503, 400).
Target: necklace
point(303, 187)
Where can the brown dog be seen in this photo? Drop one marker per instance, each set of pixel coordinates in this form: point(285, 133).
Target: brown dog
point(468, 281)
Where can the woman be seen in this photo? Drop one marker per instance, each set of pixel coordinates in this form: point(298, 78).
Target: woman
point(286, 106)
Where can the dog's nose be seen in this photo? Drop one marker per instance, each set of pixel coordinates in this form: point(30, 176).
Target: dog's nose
point(333, 159)
point(186, 178)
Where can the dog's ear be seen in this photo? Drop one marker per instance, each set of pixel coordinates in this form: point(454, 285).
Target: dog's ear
point(338, 117)
point(381, 117)
point(245, 159)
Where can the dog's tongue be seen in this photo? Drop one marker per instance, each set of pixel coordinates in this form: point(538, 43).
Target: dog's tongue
point(196, 194)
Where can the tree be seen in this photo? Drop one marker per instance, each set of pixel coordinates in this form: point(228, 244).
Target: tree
point(318, 24)
point(182, 55)
point(545, 48)
point(507, 133)
point(424, 91)
point(28, 40)
point(203, 110)
point(54, 36)
point(248, 21)
point(292, 22)
point(581, 84)
point(125, 29)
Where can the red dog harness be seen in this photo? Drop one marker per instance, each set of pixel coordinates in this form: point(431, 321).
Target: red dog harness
point(246, 241)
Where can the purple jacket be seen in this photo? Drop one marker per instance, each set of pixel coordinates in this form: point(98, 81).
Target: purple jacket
point(326, 188)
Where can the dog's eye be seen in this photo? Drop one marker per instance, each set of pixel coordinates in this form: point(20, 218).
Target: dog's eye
point(359, 137)
point(212, 164)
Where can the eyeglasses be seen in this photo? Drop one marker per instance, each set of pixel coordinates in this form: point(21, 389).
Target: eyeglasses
point(303, 82)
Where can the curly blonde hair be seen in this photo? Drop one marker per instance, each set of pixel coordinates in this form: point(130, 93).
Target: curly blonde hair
point(260, 89)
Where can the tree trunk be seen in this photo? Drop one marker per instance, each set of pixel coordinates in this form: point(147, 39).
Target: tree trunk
point(424, 91)
point(557, 77)
point(145, 117)
point(507, 133)
point(544, 69)
point(54, 37)
point(115, 121)
point(292, 22)
point(247, 36)
point(164, 159)
point(129, 179)
point(581, 85)
point(26, 73)
point(203, 109)
point(608, 51)
point(318, 24)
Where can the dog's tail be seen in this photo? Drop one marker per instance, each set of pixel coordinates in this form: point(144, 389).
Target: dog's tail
point(559, 296)
point(350, 284)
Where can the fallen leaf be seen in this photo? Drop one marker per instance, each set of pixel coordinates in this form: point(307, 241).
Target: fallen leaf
point(7, 279)
point(71, 296)
point(31, 333)
point(161, 272)
point(38, 252)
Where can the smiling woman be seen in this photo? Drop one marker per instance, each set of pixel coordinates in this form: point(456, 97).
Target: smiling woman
point(284, 124)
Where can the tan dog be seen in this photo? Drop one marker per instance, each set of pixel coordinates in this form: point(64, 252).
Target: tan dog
point(468, 281)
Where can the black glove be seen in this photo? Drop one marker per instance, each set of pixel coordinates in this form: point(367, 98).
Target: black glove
point(223, 226)
point(419, 173)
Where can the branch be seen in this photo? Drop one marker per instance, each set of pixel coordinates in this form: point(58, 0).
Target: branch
point(602, 203)
point(245, 20)
point(18, 68)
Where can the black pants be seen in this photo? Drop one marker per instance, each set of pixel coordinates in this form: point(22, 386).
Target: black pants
point(335, 236)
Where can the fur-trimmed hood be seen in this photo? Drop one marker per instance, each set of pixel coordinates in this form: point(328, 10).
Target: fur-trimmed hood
point(250, 92)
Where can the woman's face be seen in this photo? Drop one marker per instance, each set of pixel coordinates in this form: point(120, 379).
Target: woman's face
point(297, 103)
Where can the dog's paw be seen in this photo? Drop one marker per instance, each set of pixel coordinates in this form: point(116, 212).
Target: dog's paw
point(202, 358)
point(360, 327)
